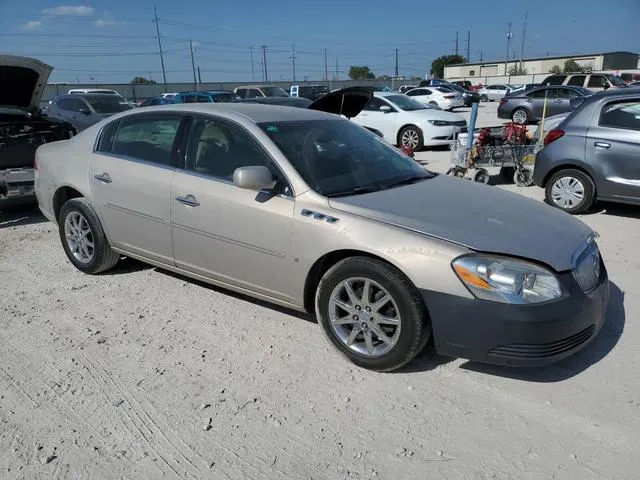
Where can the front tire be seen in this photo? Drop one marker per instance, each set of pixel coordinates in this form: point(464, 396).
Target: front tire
point(83, 238)
point(372, 314)
point(484, 98)
point(570, 190)
point(411, 136)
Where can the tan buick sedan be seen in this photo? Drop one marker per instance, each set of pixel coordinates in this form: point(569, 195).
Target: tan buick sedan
point(310, 211)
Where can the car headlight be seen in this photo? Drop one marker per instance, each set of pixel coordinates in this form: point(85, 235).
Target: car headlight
point(439, 123)
point(507, 280)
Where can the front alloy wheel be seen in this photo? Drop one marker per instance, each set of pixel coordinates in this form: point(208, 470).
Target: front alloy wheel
point(364, 316)
point(411, 137)
point(372, 313)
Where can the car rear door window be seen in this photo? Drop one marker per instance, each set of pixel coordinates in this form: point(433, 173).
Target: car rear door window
point(566, 93)
point(541, 93)
point(597, 81)
point(624, 115)
point(69, 104)
point(146, 138)
point(555, 80)
point(577, 80)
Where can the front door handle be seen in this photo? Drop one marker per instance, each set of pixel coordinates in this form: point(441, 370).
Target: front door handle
point(188, 200)
point(602, 145)
point(104, 178)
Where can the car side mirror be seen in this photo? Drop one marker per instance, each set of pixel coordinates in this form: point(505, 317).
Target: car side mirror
point(386, 109)
point(253, 178)
point(85, 111)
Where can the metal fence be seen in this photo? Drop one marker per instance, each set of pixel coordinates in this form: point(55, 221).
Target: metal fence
point(142, 91)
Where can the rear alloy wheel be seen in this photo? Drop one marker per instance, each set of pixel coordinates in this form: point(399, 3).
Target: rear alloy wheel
point(484, 98)
point(570, 190)
point(520, 116)
point(433, 103)
point(372, 313)
point(411, 137)
point(83, 238)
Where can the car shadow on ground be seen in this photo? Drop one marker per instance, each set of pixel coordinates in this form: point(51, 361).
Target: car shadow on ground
point(127, 265)
point(240, 296)
point(19, 215)
point(617, 210)
point(605, 342)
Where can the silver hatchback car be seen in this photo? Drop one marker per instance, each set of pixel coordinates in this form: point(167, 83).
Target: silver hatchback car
point(308, 210)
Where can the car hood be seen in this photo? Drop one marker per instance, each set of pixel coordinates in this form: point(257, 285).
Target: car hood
point(22, 81)
point(347, 101)
point(476, 216)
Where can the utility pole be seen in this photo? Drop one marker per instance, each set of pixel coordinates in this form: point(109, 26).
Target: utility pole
point(264, 62)
point(481, 55)
point(509, 37)
point(293, 60)
point(524, 34)
point(468, 46)
point(164, 74)
point(326, 69)
point(456, 43)
point(193, 67)
point(253, 75)
point(337, 74)
point(199, 77)
point(396, 63)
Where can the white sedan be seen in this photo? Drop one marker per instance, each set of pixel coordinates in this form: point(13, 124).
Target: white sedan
point(403, 120)
point(437, 97)
point(491, 93)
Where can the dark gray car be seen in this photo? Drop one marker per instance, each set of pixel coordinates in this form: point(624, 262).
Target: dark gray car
point(83, 110)
point(526, 107)
point(594, 154)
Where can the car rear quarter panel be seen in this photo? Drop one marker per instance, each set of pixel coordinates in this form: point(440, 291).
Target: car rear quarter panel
point(63, 164)
point(424, 260)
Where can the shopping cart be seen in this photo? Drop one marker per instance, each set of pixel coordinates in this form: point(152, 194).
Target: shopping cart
point(506, 149)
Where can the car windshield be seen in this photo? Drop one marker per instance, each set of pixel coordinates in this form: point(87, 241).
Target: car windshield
point(615, 81)
point(274, 92)
point(107, 104)
point(340, 158)
point(403, 102)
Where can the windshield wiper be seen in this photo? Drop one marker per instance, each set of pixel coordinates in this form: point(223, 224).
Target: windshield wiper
point(408, 180)
point(353, 191)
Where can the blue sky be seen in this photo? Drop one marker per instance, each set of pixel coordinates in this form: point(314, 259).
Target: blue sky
point(113, 41)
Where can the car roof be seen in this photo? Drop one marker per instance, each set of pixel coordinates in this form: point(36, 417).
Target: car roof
point(387, 94)
point(86, 94)
point(256, 112)
point(257, 86)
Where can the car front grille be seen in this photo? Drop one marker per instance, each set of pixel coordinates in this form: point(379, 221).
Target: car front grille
point(544, 350)
point(587, 268)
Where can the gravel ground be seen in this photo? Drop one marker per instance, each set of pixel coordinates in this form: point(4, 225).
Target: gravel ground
point(140, 374)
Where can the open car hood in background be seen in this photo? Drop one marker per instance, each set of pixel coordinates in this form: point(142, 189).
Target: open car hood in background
point(22, 81)
point(348, 101)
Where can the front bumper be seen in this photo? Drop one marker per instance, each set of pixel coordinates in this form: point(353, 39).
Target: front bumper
point(518, 335)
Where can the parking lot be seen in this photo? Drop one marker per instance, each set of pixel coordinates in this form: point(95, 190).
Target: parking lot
point(139, 373)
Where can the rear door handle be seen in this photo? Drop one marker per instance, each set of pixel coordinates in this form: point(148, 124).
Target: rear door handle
point(188, 200)
point(104, 178)
point(602, 145)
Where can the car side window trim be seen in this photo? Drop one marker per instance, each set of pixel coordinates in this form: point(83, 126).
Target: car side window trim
point(182, 160)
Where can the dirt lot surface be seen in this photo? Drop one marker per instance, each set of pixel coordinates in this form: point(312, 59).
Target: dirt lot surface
point(141, 374)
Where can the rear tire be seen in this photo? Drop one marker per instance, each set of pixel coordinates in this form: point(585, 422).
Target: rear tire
point(520, 116)
point(484, 98)
point(347, 323)
point(83, 238)
point(570, 190)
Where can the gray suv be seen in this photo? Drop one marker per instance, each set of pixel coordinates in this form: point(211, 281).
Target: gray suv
point(83, 110)
point(594, 154)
